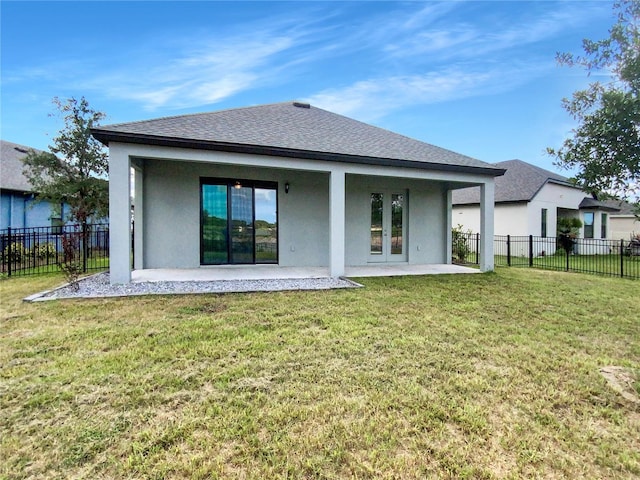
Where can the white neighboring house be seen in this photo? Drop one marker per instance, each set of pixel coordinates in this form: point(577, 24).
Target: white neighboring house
point(287, 184)
point(529, 200)
point(624, 223)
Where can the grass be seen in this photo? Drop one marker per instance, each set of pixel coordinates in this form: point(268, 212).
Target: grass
point(601, 264)
point(476, 376)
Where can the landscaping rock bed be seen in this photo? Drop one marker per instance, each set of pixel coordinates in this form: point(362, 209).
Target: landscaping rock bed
point(98, 285)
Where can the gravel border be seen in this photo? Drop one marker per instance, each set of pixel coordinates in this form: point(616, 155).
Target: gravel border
point(98, 286)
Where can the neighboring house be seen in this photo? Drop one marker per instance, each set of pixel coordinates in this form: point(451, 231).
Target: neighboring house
point(287, 184)
point(624, 223)
point(18, 207)
point(529, 200)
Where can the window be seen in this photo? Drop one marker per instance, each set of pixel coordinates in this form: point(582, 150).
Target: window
point(603, 225)
point(543, 226)
point(588, 224)
point(238, 222)
point(56, 219)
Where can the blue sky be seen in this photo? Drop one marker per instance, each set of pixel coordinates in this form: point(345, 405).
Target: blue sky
point(479, 77)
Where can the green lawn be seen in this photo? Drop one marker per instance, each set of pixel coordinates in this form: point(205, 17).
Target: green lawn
point(468, 376)
point(601, 264)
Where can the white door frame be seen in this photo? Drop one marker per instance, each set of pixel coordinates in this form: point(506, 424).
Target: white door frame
point(384, 252)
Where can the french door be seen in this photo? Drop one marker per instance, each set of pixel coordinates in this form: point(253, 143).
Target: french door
point(387, 240)
point(238, 222)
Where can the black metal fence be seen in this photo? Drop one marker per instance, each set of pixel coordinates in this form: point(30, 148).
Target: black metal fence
point(36, 250)
point(619, 258)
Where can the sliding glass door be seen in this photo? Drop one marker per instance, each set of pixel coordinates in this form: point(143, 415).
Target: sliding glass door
point(238, 222)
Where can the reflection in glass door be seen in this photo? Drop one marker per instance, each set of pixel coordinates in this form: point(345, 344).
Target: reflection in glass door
point(388, 227)
point(213, 231)
point(238, 222)
point(241, 224)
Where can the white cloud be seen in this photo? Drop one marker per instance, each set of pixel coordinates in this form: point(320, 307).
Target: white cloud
point(474, 40)
point(374, 98)
point(203, 75)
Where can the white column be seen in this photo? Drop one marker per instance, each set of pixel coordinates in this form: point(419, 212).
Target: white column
point(336, 222)
point(119, 215)
point(138, 213)
point(448, 226)
point(486, 226)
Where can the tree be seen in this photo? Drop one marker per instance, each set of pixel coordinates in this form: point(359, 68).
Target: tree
point(605, 147)
point(74, 170)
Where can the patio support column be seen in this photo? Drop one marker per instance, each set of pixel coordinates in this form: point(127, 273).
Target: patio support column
point(119, 215)
point(138, 212)
point(447, 227)
point(486, 226)
point(336, 222)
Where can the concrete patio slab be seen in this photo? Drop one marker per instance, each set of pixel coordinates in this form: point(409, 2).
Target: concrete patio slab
point(396, 269)
point(266, 272)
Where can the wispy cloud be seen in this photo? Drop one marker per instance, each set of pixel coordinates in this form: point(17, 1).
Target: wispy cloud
point(455, 39)
point(204, 75)
point(371, 99)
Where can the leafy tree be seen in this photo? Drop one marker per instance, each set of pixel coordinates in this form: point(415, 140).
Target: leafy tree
point(74, 170)
point(605, 147)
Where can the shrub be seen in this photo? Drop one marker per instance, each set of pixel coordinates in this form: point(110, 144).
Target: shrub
point(14, 252)
point(44, 251)
point(70, 265)
point(460, 244)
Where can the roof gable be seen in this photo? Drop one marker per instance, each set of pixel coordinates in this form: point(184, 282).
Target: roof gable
point(289, 129)
point(11, 177)
point(520, 183)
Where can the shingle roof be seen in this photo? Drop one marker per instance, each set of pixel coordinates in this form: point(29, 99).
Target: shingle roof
point(11, 177)
point(625, 208)
point(293, 130)
point(590, 203)
point(520, 183)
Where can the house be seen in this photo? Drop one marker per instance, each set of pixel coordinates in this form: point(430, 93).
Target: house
point(18, 206)
point(530, 200)
point(624, 224)
point(287, 184)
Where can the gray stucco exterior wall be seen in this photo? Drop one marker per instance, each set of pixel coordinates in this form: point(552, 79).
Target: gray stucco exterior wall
point(171, 219)
point(172, 212)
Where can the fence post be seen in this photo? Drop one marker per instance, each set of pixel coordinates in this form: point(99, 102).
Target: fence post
point(622, 257)
point(477, 249)
point(531, 250)
point(84, 247)
point(508, 250)
point(34, 253)
point(8, 248)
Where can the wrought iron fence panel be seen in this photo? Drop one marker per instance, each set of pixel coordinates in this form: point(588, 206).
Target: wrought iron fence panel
point(38, 250)
point(620, 258)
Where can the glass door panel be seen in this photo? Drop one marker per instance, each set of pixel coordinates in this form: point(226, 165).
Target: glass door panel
point(242, 225)
point(214, 224)
point(397, 204)
point(266, 225)
point(377, 201)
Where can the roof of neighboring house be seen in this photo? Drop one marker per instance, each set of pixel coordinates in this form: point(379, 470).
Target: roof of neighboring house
point(625, 208)
point(520, 183)
point(11, 166)
point(589, 203)
point(292, 129)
